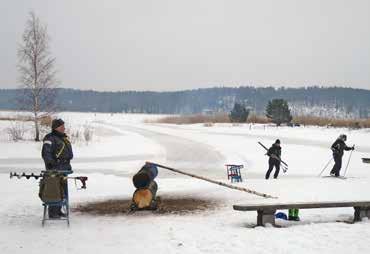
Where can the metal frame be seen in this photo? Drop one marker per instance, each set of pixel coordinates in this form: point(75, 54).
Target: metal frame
point(234, 173)
point(64, 203)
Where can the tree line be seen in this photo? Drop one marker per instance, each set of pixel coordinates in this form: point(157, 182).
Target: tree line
point(220, 99)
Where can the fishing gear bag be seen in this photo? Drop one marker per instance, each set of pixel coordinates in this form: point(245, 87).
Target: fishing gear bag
point(52, 188)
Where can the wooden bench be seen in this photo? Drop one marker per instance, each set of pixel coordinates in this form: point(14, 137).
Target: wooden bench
point(266, 212)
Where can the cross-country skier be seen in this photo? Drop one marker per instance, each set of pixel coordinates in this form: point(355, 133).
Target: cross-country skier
point(274, 153)
point(338, 147)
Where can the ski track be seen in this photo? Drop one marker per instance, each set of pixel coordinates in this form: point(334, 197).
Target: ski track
point(181, 152)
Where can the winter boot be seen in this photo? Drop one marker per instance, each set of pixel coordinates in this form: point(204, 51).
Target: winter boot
point(293, 214)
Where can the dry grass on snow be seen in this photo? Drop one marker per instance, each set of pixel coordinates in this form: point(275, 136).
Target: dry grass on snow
point(45, 120)
point(206, 119)
point(321, 121)
point(303, 120)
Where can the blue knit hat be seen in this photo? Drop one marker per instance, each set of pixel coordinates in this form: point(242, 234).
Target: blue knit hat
point(56, 123)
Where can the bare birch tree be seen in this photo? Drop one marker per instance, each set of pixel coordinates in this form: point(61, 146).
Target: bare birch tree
point(36, 72)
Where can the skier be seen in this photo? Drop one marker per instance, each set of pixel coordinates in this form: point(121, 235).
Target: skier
point(274, 153)
point(57, 154)
point(338, 147)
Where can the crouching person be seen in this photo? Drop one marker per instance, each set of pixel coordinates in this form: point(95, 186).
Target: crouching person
point(57, 154)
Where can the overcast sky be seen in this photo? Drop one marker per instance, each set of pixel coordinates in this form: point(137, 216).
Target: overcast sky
point(173, 45)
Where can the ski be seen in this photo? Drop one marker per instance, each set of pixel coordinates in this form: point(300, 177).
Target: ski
point(346, 221)
point(338, 177)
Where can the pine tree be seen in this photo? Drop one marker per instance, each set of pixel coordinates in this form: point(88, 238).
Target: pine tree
point(239, 113)
point(278, 111)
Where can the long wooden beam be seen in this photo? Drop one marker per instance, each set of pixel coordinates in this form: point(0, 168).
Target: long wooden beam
point(213, 181)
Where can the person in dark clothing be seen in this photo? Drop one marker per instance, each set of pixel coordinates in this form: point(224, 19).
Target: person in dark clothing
point(57, 154)
point(274, 153)
point(338, 148)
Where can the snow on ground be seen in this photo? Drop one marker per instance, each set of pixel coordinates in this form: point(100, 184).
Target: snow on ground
point(123, 142)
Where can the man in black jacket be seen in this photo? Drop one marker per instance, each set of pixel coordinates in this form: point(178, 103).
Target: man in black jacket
point(338, 148)
point(274, 153)
point(57, 154)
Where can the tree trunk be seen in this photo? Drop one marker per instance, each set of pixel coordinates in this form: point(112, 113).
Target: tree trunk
point(144, 197)
point(37, 129)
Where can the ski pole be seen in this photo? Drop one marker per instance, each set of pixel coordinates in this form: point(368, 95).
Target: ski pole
point(327, 164)
point(349, 159)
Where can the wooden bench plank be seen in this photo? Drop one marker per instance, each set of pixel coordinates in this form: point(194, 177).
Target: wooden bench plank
point(307, 205)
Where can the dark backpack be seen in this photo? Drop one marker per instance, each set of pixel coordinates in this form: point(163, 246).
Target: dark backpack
point(52, 188)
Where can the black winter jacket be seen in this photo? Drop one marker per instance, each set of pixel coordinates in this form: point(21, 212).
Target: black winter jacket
point(274, 150)
point(57, 151)
point(338, 146)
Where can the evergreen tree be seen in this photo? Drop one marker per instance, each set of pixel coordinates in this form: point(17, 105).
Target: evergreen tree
point(239, 113)
point(278, 111)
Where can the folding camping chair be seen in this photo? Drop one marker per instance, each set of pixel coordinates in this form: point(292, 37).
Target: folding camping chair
point(63, 201)
point(233, 172)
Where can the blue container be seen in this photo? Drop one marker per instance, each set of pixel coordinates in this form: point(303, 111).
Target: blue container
point(281, 215)
point(145, 175)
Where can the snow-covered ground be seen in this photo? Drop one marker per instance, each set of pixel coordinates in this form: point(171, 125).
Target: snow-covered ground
point(123, 142)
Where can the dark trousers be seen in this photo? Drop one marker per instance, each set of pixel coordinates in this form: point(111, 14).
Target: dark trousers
point(273, 163)
point(338, 164)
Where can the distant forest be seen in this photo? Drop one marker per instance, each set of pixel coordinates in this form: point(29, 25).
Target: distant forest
point(333, 101)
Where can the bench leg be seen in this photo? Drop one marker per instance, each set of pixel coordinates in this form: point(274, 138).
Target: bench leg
point(361, 212)
point(265, 216)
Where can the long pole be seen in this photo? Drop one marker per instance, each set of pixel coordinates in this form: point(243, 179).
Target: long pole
point(349, 159)
point(327, 164)
point(213, 181)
